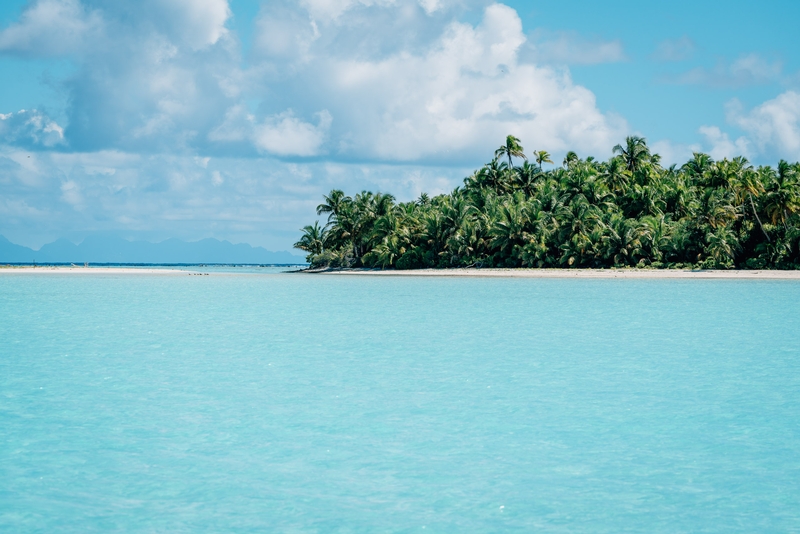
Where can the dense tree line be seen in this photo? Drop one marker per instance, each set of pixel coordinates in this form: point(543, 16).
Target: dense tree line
point(627, 211)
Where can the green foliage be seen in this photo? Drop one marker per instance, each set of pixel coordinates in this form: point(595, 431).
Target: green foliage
point(628, 211)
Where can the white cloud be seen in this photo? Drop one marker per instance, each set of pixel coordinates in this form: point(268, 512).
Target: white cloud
point(262, 201)
point(771, 130)
point(282, 134)
point(332, 10)
point(749, 69)
point(51, 28)
point(679, 49)
point(674, 153)
point(237, 125)
point(327, 10)
point(284, 33)
point(419, 88)
point(774, 126)
point(722, 146)
point(199, 23)
point(458, 97)
point(168, 131)
point(30, 128)
point(286, 135)
point(71, 194)
point(431, 6)
point(570, 48)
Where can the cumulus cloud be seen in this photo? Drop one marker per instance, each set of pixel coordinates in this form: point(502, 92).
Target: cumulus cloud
point(770, 130)
point(284, 33)
point(455, 98)
point(196, 23)
point(774, 126)
point(59, 27)
point(679, 49)
point(167, 129)
point(30, 128)
point(402, 82)
point(675, 153)
point(282, 134)
point(286, 135)
point(721, 146)
point(262, 201)
point(327, 10)
point(51, 28)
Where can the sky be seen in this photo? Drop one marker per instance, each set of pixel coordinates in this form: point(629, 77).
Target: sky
point(152, 119)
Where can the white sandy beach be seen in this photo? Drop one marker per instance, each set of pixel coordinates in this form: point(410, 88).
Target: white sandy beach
point(579, 273)
point(88, 270)
point(471, 272)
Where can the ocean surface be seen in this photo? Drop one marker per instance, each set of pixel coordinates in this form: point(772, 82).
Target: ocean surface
point(270, 402)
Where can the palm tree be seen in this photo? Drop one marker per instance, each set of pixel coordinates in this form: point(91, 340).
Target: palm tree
point(746, 183)
point(722, 246)
point(628, 210)
point(333, 203)
point(615, 175)
point(570, 159)
point(493, 175)
point(511, 148)
point(783, 196)
point(508, 230)
point(635, 152)
point(698, 166)
point(623, 242)
point(542, 156)
point(312, 241)
point(526, 177)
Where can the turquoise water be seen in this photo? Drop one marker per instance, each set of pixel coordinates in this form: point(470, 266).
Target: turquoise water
point(301, 403)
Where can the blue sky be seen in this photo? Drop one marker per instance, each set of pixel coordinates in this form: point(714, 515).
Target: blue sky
point(151, 119)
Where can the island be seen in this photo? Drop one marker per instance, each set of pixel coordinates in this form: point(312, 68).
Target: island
point(629, 211)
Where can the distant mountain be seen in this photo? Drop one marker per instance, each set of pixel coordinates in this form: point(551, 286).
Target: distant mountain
point(99, 249)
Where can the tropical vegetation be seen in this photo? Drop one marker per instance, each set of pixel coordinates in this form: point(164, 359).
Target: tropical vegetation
point(629, 211)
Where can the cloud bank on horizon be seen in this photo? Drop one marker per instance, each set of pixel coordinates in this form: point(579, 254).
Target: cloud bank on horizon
point(172, 124)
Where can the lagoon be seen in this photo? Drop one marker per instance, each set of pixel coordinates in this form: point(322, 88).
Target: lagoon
point(277, 402)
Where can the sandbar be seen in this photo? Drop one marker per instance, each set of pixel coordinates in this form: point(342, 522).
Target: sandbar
point(87, 270)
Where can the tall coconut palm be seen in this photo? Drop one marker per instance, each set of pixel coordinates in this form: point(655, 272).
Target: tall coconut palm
point(312, 240)
point(511, 148)
point(783, 196)
point(698, 166)
point(623, 240)
point(494, 175)
point(508, 230)
point(625, 211)
point(570, 159)
point(635, 152)
point(722, 246)
point(616, 175)
point(542, 156)
point(527, 176)
point(333, 203)
point(746, 184)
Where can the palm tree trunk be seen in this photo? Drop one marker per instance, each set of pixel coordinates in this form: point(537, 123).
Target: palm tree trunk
point(753, 205)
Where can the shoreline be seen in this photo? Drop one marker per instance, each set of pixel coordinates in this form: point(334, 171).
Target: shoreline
point(574, 273)
point(630, 274)
point(89, 270)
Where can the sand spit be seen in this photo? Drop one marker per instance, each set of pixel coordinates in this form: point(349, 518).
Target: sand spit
point(87, 270)
point(575, 273)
